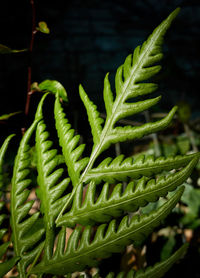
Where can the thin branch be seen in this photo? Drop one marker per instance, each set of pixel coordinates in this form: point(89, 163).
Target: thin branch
point(34, 31)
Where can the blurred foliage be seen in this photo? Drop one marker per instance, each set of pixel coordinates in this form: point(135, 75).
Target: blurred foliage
point(7, 116)
point(42, 27)
point(7, 50)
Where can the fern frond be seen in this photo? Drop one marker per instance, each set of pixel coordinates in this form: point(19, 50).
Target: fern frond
point(81, 251)
point(69, 142)
point(25, 242)
point(121, 169)
point(129, 83)
point(2, 154)
point(121, 134)
point(8, 264)
point(49, 175)
point(93, 115)
point(136, 194)
point(51, 182)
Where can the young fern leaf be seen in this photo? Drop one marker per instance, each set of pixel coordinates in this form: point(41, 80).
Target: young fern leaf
point(136, 194)
point(120, 169)
point(129, 83)
point(26, 243)
point(51, 182)
point(81, 251)
point(68, 142)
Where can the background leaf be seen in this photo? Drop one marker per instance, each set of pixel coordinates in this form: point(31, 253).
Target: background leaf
point(7, 116)
point(7, 50)
point(168, 248)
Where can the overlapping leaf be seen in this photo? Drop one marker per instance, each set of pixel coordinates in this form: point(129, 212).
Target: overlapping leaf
point(93, 115)
point(52, 183)
point(82, 251)
point(27, 229)
point(50, 176)
point(69, 141)
point(136, 194)
point(121, 169)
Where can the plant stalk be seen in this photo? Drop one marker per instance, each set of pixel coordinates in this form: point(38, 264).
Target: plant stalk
point(33, 33)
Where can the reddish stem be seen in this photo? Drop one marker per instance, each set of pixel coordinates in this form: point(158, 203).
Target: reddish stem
point(34, 31)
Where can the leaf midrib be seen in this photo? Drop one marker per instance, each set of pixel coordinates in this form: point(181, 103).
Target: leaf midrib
point(42, 164)
point(133, 198)
point(117, 238)
point(121, 171)
point(110, 122)
point(98, 172)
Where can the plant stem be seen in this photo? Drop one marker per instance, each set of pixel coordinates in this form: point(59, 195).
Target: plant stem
point(34, 31)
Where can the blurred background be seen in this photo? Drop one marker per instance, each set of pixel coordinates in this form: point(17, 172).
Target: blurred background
point(90, 38)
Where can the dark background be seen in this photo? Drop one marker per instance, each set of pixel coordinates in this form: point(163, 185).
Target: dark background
point(90, 38)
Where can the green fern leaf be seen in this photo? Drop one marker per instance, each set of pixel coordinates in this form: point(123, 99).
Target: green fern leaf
point(129, 83)
point(108, 96)
point(121, 134)
point(81, 251)
point(93, 116)
point(137, 194)
point(9, 264)
point(25, 242)
point(49, 176)
point(120, 169)
point(6, 266)
point(3, 248)
point(51, 181)
point(68, 142)
point(2, 154)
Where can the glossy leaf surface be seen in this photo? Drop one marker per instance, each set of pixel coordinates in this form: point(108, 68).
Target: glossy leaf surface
point(81, 251)
point(54, 87)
